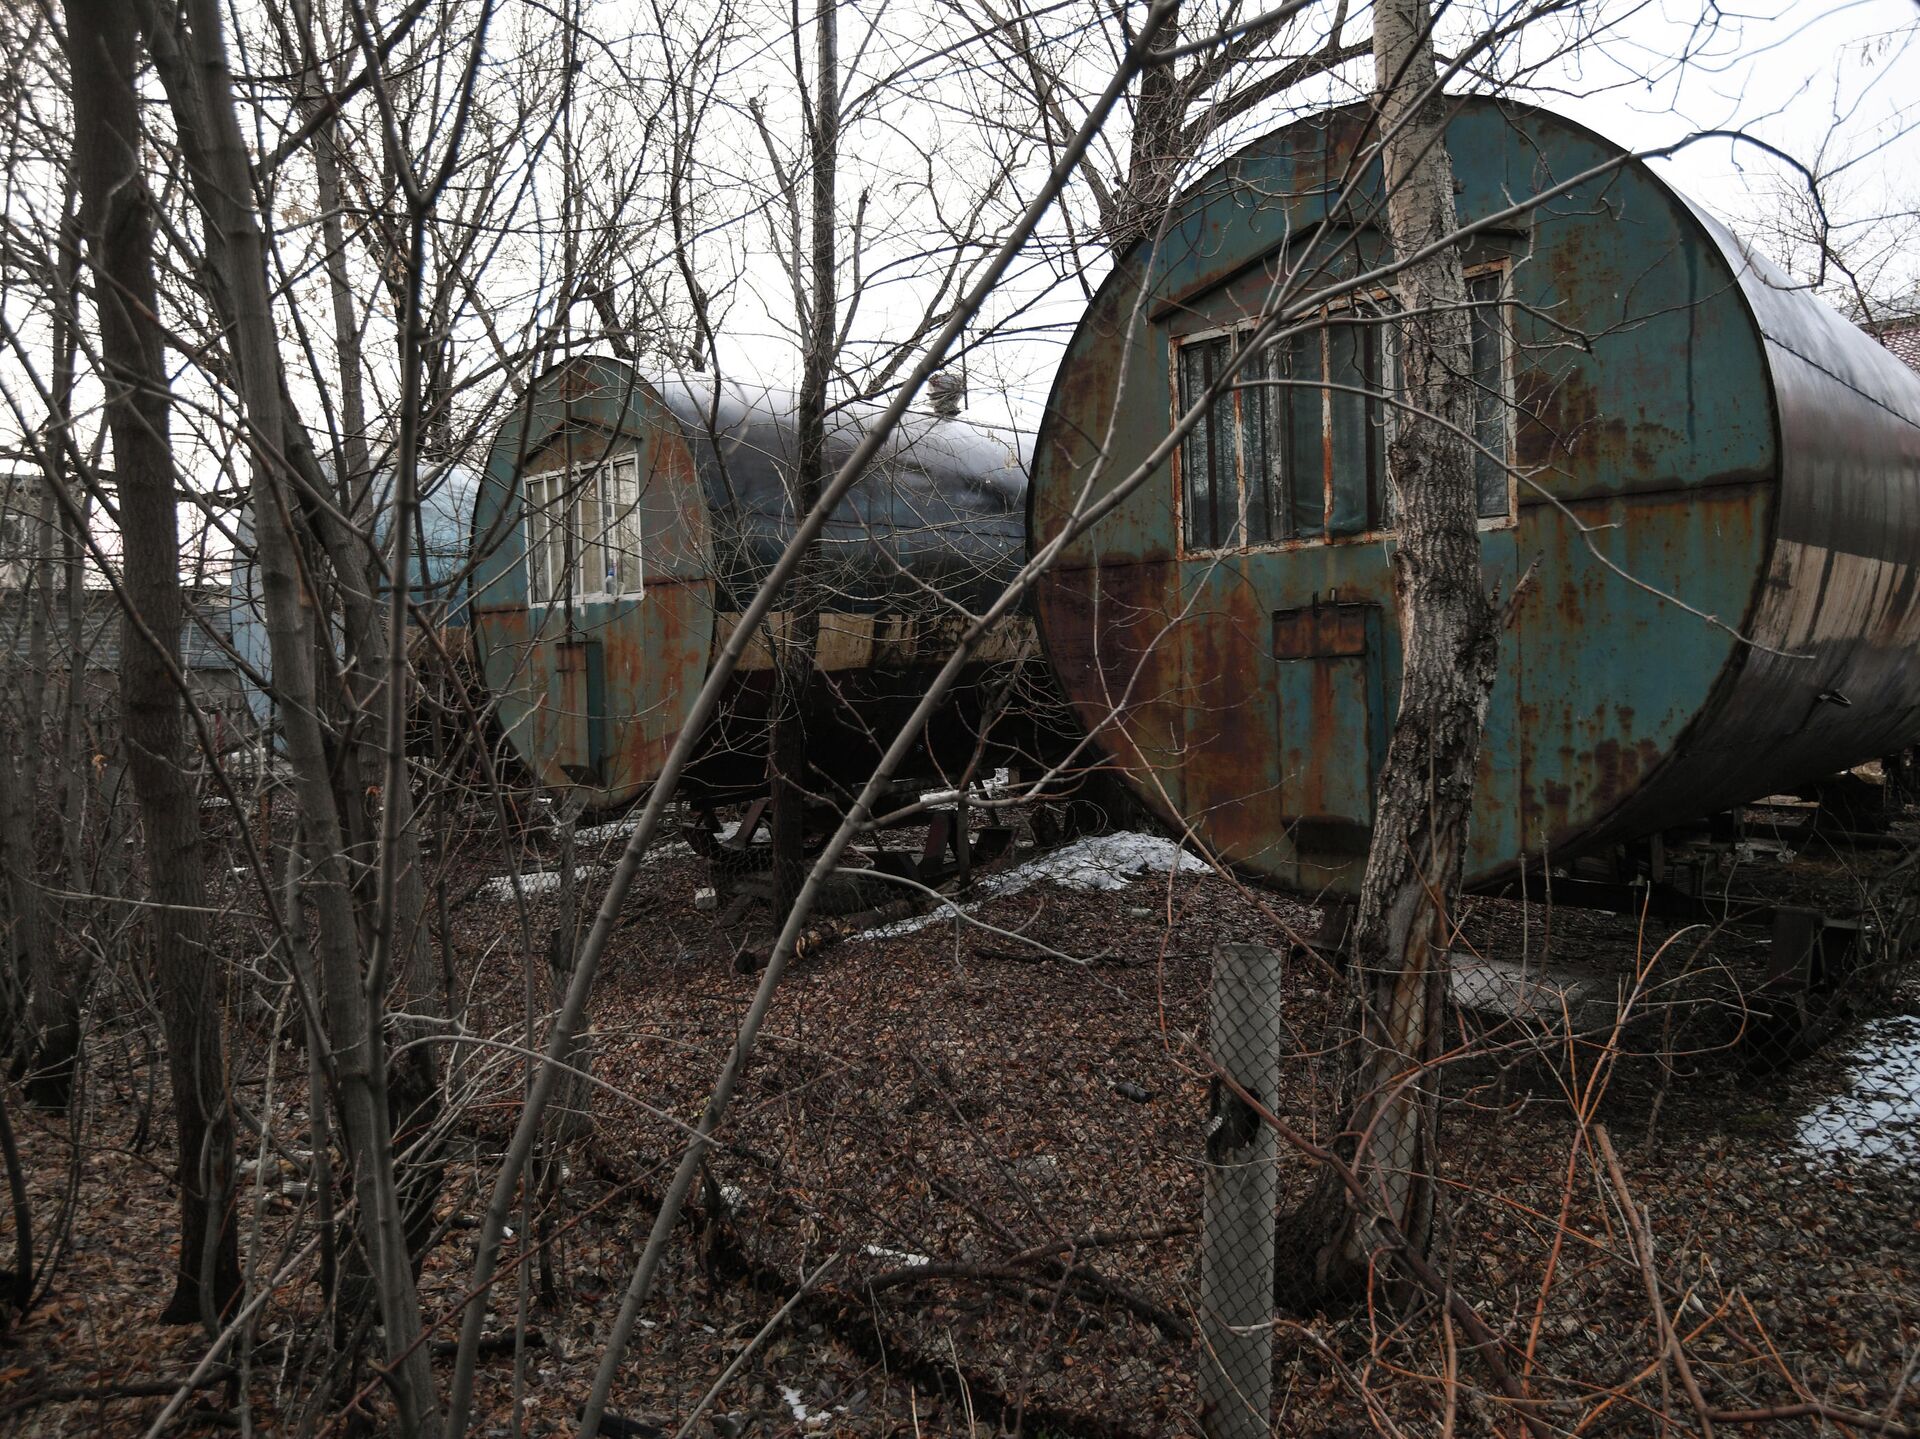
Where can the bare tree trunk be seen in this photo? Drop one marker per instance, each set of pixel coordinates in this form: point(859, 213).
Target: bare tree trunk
point(413, 1081)
point(1180, 108)
point(193, 67)
point(119, 228)
point(24, 935)
point(25, 941)
point(1153, 149)
point(796, 650)
point(1449, 642)
point(77, 770)
point(574, 1119)
point(55, 1016)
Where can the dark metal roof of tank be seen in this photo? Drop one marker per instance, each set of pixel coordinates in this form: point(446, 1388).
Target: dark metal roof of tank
point(1792, 317)
point(748, 414)
point(942, 506)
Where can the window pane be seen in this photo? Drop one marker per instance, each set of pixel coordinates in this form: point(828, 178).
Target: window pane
point(542, 537)
point(1349, 434)
point(1197, 450)
point(626, 476)
point(537, 525)
point(1222, 443)
point(619, 487)
point(565, 550)
point(1255, 401)
point(605, 557)
point(1267, 451)
point(588, 528)
point(1306, 436)
point(552, 508)
point(1489, 395)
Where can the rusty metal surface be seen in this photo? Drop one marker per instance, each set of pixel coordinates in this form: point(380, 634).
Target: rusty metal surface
point(1671, 453)
point(592, 691)
point(1840, 606)
point(588, 689)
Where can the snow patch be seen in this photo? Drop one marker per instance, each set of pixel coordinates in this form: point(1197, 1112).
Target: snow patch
point(658, 851)
point(900, 927)
point(902, 1258)
point(1000, 784)
point(1099, 862)
point(803, 1416)
point(620, 828)
point(612, 829)
point(499, 890)
point(1878, 1115)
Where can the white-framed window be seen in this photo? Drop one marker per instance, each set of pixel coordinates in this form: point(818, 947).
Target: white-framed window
point(1295, 452)
point(583, 531)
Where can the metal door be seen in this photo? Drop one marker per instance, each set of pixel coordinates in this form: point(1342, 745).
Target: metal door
point(576, 701)
point(1333, 724)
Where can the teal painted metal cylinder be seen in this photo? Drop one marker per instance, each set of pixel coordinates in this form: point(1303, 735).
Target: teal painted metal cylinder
point(1711, 481)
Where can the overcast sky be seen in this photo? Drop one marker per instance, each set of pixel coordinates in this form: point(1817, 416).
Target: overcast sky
point(1836, 85)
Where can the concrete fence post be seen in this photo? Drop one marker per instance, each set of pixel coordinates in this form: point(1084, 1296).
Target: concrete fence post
point(1241, 1185)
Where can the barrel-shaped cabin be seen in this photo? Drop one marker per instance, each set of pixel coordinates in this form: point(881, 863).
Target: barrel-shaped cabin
point(622, 526)
point(1710, 481)
point(436, 562)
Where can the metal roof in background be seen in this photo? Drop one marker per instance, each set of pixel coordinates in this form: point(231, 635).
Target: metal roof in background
point(1900, 335)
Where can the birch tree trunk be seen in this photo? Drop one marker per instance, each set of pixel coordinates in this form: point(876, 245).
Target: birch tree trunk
point(1449, 647)
point(119, 227)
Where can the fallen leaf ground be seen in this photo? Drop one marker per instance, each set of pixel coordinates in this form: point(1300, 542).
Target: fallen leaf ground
point(994, 1134)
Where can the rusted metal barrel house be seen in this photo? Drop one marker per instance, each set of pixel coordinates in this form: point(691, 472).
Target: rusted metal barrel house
point(624, 523)
point(1669, 429)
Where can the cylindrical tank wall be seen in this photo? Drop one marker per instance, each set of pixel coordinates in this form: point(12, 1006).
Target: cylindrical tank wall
point(1247, 681)
point(594, 680)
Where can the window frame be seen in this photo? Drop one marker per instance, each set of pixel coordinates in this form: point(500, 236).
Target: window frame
point(557, 505)
point(1237, 544)
point(1509, 409)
